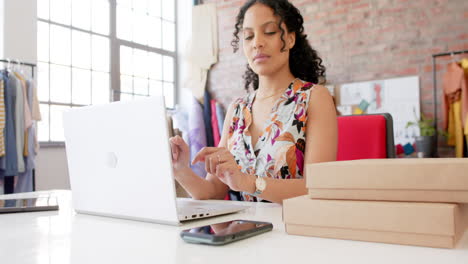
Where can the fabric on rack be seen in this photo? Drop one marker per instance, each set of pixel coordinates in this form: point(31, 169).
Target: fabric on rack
point(28, 136)
point(464, 65)
point(204, 47)
point(35, 110)
point(26, 111)
point(25, 179)
point(214, 123)
point(26, 108)
point(455, 105)
point(196, 135)
point(10, 161)
point(455, 129)
point(454, 81)
point(220, 116)
point(2, 116)
point(19, 124)
point(207, 119)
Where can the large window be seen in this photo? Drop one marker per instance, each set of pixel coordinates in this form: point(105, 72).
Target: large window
point(97, 51)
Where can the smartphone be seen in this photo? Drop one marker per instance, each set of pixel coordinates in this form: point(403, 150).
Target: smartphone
point(226, 232)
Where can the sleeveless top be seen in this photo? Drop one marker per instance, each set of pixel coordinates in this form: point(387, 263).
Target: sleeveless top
point(279, 151)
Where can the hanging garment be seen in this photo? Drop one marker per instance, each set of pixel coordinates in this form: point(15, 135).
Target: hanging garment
point(11, 157)
point(207, 119)
point(203, 51)
point(455, 105)
point(464, 65)
point(455, 129)
point(2, 115)
point(19, 124)
point(220, 116)
point(35, 110)
point(196, 135)
point(279, 151)
point(26, 111)
point(25, 179)
point(26, 108)
point(214, 123)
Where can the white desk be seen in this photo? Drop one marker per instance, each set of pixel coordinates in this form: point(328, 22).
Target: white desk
point(65, 237)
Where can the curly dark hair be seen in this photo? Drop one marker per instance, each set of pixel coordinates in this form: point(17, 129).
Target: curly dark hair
point(304, 61)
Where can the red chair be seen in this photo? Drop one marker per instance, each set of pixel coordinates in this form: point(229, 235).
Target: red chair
point(365, 137)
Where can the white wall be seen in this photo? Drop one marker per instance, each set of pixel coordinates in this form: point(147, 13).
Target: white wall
point(20, 30)
point(52, 169)
point(1, 28)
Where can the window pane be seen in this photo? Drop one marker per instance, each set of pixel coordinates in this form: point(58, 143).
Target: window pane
point(168, 10)
point(43, 126)
point(100, 53)
point(60, 11)
point(56, 122)
point(140, 5)
point(126, 60)
point(124, 23)
point(154, 8)
point(42, 41)
point(126, 84)
point(43, 9)
point(140, 28)
point(60, 46)
point(60, 84)
point(101, 91)
point(43, 81)
point(168, 68)
point(140, 63)
point(155, 66)
point(100, 16)
point(81, 86)
point(169, 94)
point(81, 49)
point(81, 14)
point(126, 97)
point(155, 88)
point(125, 3)
point(140, 86)
point(154, 32)
point(168, 38)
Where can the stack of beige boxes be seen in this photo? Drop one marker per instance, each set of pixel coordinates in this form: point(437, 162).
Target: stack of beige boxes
point(403, 201)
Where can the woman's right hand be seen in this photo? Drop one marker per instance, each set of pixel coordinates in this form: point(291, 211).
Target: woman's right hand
point(180, 153)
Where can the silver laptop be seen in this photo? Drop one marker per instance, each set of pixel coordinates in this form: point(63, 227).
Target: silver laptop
point(119, 162)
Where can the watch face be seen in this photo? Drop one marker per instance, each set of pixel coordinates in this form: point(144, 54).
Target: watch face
point(260, 184)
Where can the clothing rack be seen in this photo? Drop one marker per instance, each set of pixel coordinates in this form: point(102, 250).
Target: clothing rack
point(32, 65)
point(434, 90)
point(9, 182)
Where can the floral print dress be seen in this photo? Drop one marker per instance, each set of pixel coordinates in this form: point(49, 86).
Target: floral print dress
point(279, 151)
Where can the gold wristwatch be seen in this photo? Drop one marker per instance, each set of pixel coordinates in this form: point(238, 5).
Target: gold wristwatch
point(260, 186)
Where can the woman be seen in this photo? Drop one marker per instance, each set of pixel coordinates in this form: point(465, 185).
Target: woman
point(269, 134)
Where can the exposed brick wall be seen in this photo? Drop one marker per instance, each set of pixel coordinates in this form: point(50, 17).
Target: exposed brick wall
point(359, 40)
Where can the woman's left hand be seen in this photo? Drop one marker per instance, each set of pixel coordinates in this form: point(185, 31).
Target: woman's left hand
point(221, 163)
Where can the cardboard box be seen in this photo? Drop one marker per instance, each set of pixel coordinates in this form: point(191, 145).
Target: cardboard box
point(407, 223)
point(424, 180)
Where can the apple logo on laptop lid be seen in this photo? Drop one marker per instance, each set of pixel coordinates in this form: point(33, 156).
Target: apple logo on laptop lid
point(111, 160)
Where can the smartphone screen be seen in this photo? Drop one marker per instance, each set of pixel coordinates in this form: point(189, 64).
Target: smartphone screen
point(226, 232)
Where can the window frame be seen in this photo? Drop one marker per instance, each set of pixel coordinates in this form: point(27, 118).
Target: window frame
point(114, 60)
